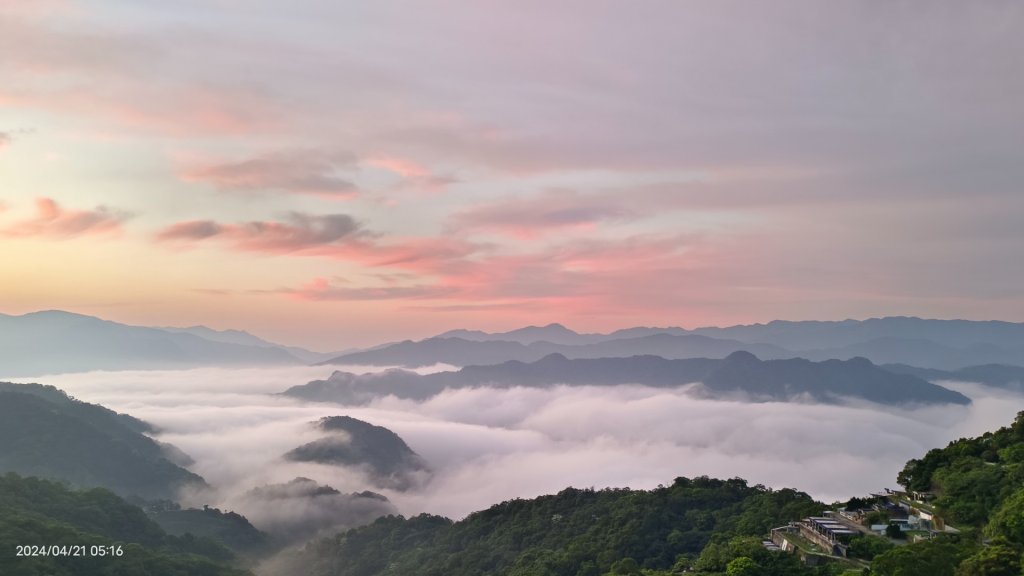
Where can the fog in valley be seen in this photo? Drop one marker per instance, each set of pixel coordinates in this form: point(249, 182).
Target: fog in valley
point(488, 445)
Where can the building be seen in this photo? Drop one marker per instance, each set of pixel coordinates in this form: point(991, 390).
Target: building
point(827, 533)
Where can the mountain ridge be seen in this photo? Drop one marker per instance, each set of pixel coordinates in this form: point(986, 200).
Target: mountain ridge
point(54, 341)
point(352, 442)
point(43, 432)
point(938, 344)
point(740, 372)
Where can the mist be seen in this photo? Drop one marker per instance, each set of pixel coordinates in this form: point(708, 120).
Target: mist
point(489, 445)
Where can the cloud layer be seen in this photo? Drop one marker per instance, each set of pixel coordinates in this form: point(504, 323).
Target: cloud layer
point(486, 445)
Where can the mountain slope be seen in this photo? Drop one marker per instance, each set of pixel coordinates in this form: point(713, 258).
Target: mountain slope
point(45, 433)
point(971, 477)
point(575, 532)
point(53, 342)
point(246, 339)
point(998, 375)
point(227, 528)
point(351, 442)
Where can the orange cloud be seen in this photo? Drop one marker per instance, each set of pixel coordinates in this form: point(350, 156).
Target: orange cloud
point(53, 221)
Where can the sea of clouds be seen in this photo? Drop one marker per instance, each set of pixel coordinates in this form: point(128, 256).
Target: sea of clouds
point(489, 445)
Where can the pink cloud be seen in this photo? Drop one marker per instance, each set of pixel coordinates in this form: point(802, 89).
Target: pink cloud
point(554, 210)
point(414, 175)
point(568, 278)
point(300, 171)
point(54, 221)
point(576, 279)
point(333, 236)
point(631, 279)
point(427, 255)
point(5, 140)
point(648, 274)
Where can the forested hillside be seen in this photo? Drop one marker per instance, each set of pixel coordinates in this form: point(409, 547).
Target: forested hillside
point(228, 528)
point(35, 512)
point(45, 433)
point(379, 451)
point(978, 484)
point(574, 533)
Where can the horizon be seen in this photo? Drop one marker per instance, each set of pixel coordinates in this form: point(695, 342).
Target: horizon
point(331, 176)
point(441, 333)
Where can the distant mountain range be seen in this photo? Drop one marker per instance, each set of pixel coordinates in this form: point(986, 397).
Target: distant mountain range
point(461, 352)
point(794, 335)
point(243, 338)
point(45, 433)
point(939, 344)
point(998, 375)
point(351, 442)
point(740, 374)
point(54, 342)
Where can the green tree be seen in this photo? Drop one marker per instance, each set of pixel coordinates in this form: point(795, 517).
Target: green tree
point(867, 547)
point(626, 566)
point(893, 531)
point(876, 517)
point(1008, 520)
point(937, 557)
point(743, 566)
point(996, 560)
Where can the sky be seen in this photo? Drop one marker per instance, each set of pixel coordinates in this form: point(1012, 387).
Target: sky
point(338, 174)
